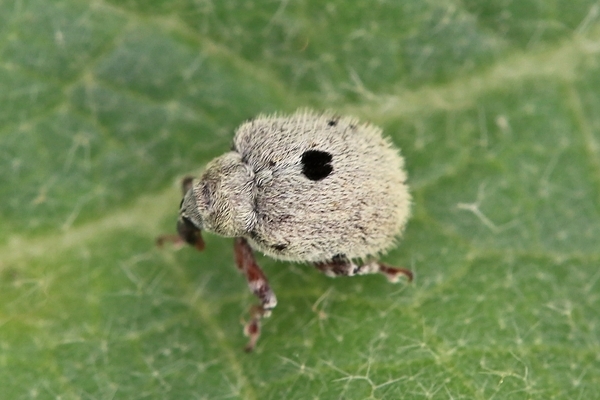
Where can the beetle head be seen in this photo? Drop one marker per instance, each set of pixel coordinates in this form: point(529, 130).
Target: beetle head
point(220, 201)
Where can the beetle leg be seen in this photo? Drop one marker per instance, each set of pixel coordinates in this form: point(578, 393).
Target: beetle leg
point(337, 266)
point(259, 285)
point(340, 265)
point(186, 184)
point(177, 240)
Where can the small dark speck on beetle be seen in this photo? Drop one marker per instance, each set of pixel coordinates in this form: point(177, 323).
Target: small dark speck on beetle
point(316, 165)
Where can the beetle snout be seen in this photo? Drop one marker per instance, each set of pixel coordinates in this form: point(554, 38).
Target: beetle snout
point(190, 233)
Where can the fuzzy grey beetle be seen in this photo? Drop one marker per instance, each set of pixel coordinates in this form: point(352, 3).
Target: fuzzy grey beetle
point(308, 187)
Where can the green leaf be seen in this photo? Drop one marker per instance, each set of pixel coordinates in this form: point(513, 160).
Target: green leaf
point(104, 106)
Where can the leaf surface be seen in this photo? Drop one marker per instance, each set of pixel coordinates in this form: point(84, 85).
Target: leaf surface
point(105, 105)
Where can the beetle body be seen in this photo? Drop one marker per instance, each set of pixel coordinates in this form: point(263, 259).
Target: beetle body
point(308, 187)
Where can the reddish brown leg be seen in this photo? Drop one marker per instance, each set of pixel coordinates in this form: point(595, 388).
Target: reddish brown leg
point(176, 240)
point(342, 266)
point(186, 184)
point(259, 285)
point(393, 273)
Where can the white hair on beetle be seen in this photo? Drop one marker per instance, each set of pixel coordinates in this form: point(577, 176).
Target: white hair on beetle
point(308, 187)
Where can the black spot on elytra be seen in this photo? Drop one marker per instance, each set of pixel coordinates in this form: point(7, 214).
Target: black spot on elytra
point(316, 165)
